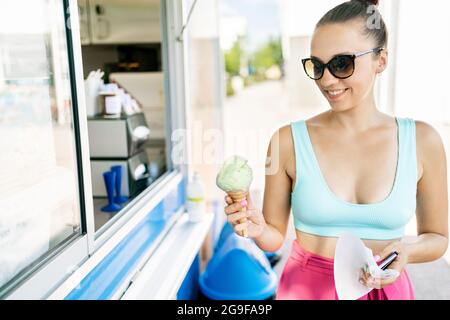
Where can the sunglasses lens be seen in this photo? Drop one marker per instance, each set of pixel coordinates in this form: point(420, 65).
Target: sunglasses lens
point(342, 66)
point(314, 69)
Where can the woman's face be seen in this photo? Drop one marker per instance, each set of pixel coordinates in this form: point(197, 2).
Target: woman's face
point(347, 38)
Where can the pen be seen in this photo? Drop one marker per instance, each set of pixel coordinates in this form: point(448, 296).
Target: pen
point(387, 262)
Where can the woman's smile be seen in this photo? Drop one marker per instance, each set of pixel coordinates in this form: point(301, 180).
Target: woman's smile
point(335, 95)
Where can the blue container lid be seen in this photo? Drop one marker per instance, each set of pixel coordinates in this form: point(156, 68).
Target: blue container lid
point(227, 230)
point(239, 270)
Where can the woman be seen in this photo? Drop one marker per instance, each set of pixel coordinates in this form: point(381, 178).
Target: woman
point(351, 169)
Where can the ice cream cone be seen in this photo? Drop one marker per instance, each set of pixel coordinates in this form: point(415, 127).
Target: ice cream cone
point(238, 196)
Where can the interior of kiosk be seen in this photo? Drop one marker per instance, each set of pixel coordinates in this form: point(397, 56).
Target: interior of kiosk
point(125, 100)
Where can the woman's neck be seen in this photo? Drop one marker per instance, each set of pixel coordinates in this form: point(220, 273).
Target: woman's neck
point(357, 119)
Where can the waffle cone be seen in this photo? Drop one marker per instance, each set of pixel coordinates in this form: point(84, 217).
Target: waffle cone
point(238, 196)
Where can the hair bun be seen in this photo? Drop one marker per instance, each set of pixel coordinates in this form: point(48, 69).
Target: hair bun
point(373, 2)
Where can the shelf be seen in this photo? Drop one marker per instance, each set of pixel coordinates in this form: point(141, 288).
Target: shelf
point(163, 274)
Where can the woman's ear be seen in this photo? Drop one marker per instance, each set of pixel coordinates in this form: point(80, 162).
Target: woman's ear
point(383, 61)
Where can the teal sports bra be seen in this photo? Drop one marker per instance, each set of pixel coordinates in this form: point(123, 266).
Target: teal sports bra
point(317, 210)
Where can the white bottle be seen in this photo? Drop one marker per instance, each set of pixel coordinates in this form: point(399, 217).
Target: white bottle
point(195, 202)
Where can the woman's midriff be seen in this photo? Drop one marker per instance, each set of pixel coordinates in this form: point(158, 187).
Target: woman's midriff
point(325, 246)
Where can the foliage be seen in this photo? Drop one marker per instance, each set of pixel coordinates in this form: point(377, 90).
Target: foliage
point(233, 59)
point(268, 55)
point(229, 88)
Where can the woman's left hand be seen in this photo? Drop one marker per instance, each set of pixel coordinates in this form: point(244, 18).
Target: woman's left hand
point(398, 265)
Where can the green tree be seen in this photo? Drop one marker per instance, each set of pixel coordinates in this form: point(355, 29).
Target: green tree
point(233, 59)
point(268, 55)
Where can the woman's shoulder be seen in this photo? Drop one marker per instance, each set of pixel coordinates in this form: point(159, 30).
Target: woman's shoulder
point(430, 146)
point(285, 133)
point(427, 135)
point(283, 137)
point(282, 142)
point(282, 149)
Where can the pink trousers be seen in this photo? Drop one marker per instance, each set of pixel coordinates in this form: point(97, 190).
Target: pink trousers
point(307, 276)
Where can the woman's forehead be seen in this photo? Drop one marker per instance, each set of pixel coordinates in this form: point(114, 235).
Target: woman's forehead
point(333, 39)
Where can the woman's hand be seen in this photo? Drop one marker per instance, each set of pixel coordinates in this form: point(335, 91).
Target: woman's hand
point(255, 223)
point(398, 265)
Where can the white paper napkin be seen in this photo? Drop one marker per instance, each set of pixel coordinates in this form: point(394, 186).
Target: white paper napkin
point(351, 256)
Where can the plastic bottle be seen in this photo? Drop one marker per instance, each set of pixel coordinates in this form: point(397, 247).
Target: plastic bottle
point(195, 202)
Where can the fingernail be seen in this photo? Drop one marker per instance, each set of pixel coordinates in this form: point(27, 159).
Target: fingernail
point(244, 203)
point(377, 258)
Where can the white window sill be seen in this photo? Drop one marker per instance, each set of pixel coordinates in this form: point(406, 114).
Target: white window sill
point(162, 275)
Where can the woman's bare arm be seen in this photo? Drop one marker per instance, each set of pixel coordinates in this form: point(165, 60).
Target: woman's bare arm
point(277, 191)
point(432, 198)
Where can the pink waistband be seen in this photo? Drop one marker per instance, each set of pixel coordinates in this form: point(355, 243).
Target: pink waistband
point(311, 260)
point(308, 261)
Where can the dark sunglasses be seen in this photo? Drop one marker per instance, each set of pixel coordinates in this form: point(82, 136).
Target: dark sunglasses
point(341, 66)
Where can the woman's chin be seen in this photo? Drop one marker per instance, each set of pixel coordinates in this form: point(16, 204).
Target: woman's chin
point(339, 106)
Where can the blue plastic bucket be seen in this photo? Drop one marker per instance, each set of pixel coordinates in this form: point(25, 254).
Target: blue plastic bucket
point(227, 230)
point(239, 270)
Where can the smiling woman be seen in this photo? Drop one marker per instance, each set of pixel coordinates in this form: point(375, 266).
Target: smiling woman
point(352, 169)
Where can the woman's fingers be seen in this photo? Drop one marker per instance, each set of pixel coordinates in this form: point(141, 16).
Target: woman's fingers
point(228, 200)
point(237, 217)
point(239, 228)
point(367, 280)
point(249, 201)
point(385, 282)
point(232, 208)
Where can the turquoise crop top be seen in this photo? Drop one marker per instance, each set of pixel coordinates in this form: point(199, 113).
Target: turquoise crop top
point(317, 210)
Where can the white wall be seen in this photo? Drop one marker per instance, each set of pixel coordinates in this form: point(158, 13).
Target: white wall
point(299, 17)
point(204, 19)
point(422, 67)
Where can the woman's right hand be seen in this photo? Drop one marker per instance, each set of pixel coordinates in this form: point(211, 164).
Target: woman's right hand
point(255, 223)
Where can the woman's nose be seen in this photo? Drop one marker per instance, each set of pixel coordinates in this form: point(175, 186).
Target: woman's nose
point(328, 79)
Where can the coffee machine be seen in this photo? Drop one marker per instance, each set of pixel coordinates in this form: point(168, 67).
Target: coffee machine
point(119, 141)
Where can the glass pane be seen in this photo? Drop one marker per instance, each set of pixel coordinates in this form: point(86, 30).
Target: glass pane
point(125, 102)
point(39, 196)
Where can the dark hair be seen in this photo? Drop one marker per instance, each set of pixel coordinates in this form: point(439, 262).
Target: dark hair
point(364, 10)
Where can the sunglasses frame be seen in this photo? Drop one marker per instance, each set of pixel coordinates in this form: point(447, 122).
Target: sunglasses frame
point(327, 65)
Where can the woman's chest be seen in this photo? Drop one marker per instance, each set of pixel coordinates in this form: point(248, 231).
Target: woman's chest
point(359, 170)
point(356, 170)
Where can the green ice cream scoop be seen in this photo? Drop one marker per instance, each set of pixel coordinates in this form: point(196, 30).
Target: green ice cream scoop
point(235, 175)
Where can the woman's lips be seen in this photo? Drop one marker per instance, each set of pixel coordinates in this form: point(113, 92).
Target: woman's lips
point(334, 95)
